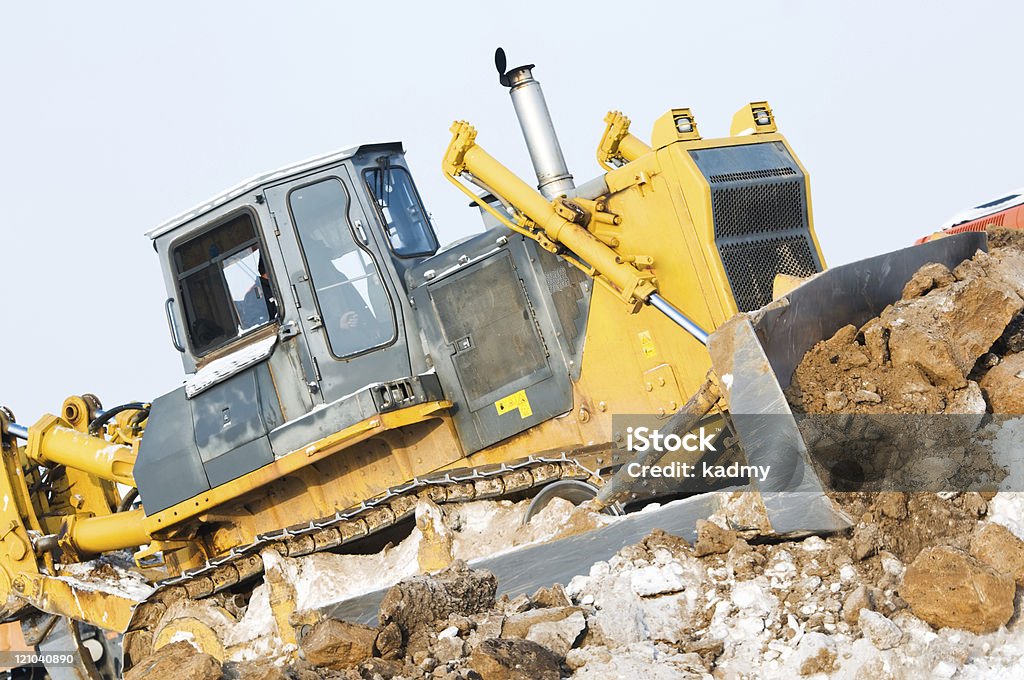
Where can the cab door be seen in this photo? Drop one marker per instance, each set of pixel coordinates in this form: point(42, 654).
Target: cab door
point(348, 312)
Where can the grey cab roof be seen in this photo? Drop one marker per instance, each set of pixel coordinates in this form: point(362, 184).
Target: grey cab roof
point(264, 179)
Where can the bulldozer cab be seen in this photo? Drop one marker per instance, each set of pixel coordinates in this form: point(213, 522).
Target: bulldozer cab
point(287, 303)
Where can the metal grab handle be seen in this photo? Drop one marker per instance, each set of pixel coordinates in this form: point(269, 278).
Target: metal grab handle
point(175, 341)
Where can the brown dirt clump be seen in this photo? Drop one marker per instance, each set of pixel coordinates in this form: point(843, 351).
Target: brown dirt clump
point(884, 522)
point(419, 601)
point(1001, 237)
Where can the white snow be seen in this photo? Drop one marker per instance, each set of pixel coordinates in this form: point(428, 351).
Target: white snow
point(95, 576)
point(226, 366)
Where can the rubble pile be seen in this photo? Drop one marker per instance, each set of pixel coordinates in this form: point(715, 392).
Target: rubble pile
point(664, 609)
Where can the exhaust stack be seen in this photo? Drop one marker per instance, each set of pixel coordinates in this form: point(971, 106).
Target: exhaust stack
point(553, 178)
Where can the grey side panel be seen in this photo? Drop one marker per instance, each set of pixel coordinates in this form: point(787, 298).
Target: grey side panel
point(486, 322)
point(230, 428)
point(489, 327)
point(238, 462)
point(228, 415)
point(169, 469)
point(760, 210)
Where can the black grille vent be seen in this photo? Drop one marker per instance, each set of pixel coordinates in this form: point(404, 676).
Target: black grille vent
point(757, 208)
point(751, 174)
point(752, 265)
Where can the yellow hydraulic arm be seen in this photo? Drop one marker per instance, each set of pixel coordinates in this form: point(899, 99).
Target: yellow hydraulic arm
point(560, 225)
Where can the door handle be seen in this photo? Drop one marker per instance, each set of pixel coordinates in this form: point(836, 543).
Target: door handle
point(314, 321)
point(175, 341)
point(361, 233)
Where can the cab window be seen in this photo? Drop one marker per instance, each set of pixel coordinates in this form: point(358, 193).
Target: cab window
point(223, 284)
point(405, 220)
point(354, 307)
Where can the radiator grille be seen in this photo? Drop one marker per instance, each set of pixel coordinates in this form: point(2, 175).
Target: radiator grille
point(759, 207)
point(752, 266)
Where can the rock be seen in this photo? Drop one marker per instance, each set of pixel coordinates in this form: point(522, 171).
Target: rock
point(652, 580)
point(883, 633)
point(1003, 385)
point(866, 536)
point(520, 603)
point(382, 669)
point(578, 658)
point(876, 340)
point(389, 641)
point(419, 601)
point(866, 397)
point(254, 670)
point(338, 644)
point(712, 539)
point(435, 548)
point(836, 401)
point(708, 649)
point(448, 648)
point(891, 504)
point(176, 660)
point(970, 403)
point(948, 588)
point(944, 333)
point(514, 660)
point(932, 275)
point(861, 598)
point(555, 629)
point(554, 596)
point(999, 548)
point(815, 653)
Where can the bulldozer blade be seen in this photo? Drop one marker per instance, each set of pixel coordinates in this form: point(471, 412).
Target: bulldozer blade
point(755, 355)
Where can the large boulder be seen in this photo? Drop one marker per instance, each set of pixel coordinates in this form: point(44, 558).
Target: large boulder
point(999, 548)
point(555, 629)
point(338, 644)
point(176, 660)
point(514, 660)
point(1003, 385)
point(947, 587)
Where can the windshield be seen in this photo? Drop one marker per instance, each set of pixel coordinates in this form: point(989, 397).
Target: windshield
point(405, 221)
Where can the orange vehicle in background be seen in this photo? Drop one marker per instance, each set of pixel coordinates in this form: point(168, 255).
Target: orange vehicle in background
point(1006, 211)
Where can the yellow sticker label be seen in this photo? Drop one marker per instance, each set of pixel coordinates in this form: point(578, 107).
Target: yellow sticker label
point(647, 344)
point(513, 402)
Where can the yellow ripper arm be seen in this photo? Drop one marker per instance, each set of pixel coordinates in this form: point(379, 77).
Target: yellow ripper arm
point(556, 223)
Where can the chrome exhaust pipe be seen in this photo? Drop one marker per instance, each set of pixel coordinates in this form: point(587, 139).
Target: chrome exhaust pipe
point(553, 178)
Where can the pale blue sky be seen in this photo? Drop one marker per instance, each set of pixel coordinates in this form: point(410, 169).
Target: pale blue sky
point(116, 117)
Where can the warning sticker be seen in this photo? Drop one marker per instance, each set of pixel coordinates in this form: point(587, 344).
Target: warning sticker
point(512, 402)
point(647, 344)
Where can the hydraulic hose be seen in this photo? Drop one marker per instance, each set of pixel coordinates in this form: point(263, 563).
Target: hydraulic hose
point(99, 421)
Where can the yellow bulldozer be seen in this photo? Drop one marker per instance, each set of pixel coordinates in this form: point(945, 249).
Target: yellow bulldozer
point(340, 366)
